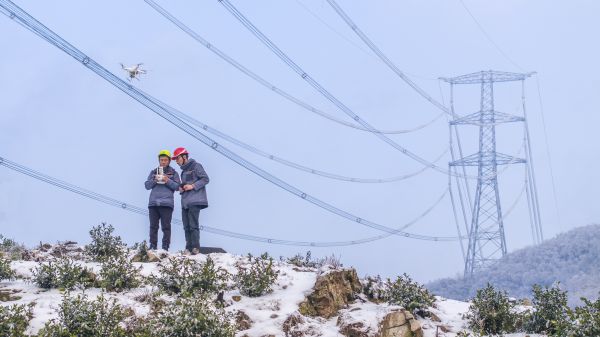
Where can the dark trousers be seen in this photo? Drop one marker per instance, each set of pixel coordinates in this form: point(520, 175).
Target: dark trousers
point(191, 226)
point(164, 214)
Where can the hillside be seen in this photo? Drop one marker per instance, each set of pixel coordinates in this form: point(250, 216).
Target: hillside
point(572, 258)
point(321, 299)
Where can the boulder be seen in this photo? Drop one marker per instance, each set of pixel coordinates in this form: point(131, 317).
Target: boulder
point(150, 257)
point(332, 292)
point(242, 321)
point(291, 326)
point(400, 323)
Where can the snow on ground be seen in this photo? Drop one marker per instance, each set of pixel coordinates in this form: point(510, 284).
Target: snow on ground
point(267, 312)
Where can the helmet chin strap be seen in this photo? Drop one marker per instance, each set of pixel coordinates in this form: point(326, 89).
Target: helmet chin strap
point(185, 160)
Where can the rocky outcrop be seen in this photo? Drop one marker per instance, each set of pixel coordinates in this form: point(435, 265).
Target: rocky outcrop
point(148, 257)
point(242, 321)
point(400, 323)
point(291, 326)
point(355, 329)
point(332, 292)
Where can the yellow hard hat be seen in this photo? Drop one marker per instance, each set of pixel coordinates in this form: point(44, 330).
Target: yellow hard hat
point(165, 153)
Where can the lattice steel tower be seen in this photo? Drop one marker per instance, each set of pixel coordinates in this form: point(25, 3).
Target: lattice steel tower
point(487, 241)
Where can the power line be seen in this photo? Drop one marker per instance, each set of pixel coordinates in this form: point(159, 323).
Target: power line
point(22, 17)
point(384, 58)
point(338, 33)
point(296, 68)
point(142, 211)
point(197, 123)
point(537, 79)
point(488, 36)
point(322, 21)
point(210, 46)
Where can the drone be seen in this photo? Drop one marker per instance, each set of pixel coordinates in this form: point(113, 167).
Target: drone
point(134, 71)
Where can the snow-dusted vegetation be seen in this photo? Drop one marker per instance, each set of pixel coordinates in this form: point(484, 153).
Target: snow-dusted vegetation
point(104, 289)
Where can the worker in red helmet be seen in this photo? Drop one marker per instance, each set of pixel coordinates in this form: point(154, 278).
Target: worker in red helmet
point(193, 198)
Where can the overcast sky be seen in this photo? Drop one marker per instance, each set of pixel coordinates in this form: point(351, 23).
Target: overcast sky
point(59, 118)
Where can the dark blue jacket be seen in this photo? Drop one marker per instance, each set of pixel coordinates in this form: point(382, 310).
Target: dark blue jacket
point(193, 173)
point(162, 194)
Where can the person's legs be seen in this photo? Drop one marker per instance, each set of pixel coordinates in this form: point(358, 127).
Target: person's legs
point(186, 228)
point(194, 225)
point(154, 218)
point(166, 214)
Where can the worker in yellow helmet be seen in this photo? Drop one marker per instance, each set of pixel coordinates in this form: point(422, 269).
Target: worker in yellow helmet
point(163, 181)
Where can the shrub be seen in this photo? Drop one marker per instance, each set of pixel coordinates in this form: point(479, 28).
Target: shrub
point(374, 288)
point(63, 273)
point(332, 261)
point(191, 316)
point(409, 294)
point(257, 277)
point(45, 275)
point(79, 316)
point(491, 312)
point(104, 244)
point(117, 273)
point(584, 320)
point(549, 310)
point(11, 249)
point(302, 261)
point(141, 251)
point(15, 319)
point(186, 277)
point(6, 272)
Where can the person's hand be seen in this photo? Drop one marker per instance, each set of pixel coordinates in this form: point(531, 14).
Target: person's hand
point(166, 178)
point(180, 189)
point(188, 187)
point(156, 178)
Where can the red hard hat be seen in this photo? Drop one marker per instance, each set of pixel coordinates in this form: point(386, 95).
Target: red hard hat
point(178, 152)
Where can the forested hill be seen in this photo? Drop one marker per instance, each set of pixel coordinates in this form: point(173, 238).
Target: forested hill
point(572, 258)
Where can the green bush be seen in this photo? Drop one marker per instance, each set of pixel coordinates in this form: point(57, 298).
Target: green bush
point(409, 294)
point(6, 272)
point(117, 273)
point(190, 316)
point(79, 316)
point(302, 261)
point(45, 275)
point(11, 249)
point(141, 251)
point(374, 289)
point(257, 277)
point(62, 273)
point(104, 244)
point(549, 310)
point(14, 320)
point(491, 312)
point(584, 321)
point(186, 277)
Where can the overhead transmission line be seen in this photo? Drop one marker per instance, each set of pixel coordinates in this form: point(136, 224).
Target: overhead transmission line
point(450, 112)
point(488, 36)
point(311, 81)
point(260, 80)
point(144, 211)
point(385, 59)
point(192, 121)
point(22, 17)
point(210, 46)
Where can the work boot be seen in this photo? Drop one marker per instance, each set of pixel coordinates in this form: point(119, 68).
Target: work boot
point(195, 251)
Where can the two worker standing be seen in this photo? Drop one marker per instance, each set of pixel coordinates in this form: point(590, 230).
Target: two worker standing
point(164, 182)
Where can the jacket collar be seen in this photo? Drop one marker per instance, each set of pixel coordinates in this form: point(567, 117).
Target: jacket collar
point(189, 164)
